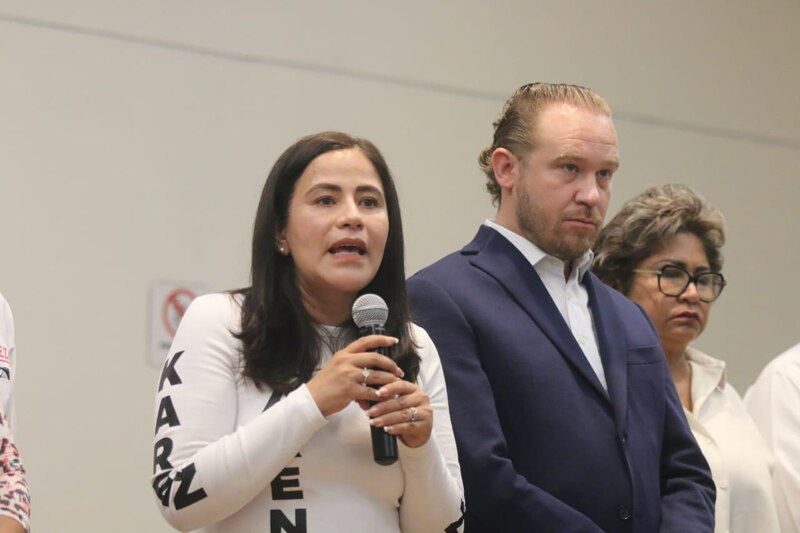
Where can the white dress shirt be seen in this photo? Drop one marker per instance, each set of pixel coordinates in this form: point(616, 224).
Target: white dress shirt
point(740, 461)
point(774, 403)
point(569, 295)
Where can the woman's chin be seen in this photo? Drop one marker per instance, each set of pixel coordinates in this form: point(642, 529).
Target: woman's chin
point(350, 285)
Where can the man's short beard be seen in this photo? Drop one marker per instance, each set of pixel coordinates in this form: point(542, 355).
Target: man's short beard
point(534, 227)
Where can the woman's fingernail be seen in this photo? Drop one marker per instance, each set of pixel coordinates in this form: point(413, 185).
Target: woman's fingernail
point(380, 392)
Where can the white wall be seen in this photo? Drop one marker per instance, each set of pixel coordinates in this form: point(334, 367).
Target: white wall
point(135, 138)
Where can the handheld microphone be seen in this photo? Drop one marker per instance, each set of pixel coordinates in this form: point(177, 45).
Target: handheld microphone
point(370, 313)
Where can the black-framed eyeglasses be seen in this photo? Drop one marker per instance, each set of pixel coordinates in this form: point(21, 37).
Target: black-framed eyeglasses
point(674, 280)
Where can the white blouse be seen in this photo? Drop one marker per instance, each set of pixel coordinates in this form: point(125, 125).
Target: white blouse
point(740, 461)
point(774, 403)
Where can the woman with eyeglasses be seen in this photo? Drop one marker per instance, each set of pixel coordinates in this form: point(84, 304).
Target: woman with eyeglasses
point(662, 250)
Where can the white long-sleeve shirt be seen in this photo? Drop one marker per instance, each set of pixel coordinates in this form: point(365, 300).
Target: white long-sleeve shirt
point(230, 457)
point(774, 403)
point(741, 463)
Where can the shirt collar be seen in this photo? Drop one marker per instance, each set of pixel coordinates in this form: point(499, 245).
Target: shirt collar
point(534, 254)
point(712, 369)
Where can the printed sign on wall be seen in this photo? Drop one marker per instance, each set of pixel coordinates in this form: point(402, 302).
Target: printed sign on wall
point(168, 303)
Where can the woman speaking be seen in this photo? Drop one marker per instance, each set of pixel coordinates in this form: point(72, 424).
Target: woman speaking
point(268, 398)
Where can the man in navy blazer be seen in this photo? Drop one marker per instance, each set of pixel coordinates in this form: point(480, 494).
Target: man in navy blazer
point(565, 415)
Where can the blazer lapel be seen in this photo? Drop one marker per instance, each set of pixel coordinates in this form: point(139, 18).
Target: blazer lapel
point(611, 340)
point(496, 256)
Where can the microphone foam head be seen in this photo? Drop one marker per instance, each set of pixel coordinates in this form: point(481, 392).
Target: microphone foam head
point(370, 310)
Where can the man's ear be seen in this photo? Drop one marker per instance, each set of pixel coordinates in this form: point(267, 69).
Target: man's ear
point(506, 168)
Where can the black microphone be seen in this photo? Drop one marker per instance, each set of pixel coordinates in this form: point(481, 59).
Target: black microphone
point(370, 313)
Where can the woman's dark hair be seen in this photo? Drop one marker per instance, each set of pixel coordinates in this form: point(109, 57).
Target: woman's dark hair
point(280, 344)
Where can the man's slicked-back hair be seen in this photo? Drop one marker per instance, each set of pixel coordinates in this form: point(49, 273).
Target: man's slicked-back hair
point(514, 129)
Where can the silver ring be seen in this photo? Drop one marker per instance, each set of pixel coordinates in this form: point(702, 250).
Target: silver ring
point(413, 414)
point(365, 373)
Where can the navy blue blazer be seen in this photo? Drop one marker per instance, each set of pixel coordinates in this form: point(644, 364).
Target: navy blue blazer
point(542, 445)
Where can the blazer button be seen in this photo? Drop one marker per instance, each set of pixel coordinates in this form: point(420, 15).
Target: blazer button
point(623, 513)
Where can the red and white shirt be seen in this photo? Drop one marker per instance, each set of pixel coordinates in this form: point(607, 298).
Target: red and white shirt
point(14, 495)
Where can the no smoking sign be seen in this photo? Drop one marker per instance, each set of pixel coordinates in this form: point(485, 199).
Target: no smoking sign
point(174, 306)
point(168, 304)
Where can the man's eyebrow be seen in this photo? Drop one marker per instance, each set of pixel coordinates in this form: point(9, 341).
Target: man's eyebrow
point(612, 162)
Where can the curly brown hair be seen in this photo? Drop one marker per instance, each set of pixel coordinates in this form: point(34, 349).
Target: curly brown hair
point(646, 222)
